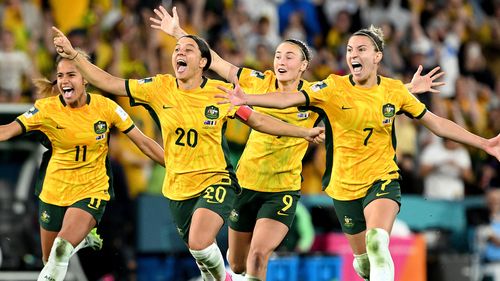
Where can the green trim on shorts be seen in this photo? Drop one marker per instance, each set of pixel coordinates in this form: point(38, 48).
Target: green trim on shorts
point(350, 213)
point(51, 216)
point(252, 205)
point(218, 198)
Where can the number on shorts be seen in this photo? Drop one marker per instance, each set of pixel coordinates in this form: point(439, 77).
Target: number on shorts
point(218, 194)
point(288, 201)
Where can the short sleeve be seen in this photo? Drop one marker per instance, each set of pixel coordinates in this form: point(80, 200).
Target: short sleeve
point(120, 118)
point(32, 119)
point(140, 91)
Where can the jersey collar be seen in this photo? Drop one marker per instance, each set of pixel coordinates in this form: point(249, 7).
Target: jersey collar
point(351, 79)
point(299, 86)
point(64, 103)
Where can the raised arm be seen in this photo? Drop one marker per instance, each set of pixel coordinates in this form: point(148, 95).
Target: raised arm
point(426, 83)
point(448, 129)
point(10, 130)
point(93, 74)
point(273, 126)
point(236, 96)
point(148, 146)
point(170, 25)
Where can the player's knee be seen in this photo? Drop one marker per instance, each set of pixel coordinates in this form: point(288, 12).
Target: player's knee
point(258, 258)
point(61, 250)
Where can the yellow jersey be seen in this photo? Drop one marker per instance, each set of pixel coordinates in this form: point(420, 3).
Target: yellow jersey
point(192, 126)
point(360, 123)
point(272, 163)
point(76, 165)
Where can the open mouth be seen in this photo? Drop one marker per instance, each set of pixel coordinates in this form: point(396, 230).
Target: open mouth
point(181, 65)
point(68, 92)
point(282, 70)
point(356, 67)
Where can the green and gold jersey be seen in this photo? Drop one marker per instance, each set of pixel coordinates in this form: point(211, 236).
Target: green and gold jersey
point(75, 166)
point(270, 163)
point(361, 124)
point(192, 126)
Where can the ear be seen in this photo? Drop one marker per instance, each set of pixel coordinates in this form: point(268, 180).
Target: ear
point(203, 62)
point(85, 82)
point(304, 66)
point(378, 57)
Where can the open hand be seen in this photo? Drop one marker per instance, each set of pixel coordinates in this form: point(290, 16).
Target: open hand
point(426, 83)
point(62, 45)
point(234, 96)
point(167, 23)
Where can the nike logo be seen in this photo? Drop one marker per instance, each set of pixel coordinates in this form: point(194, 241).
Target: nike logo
point(167, 106)
point(59, 127)
point(280, 213)
point(345, 108)
point(381, 193)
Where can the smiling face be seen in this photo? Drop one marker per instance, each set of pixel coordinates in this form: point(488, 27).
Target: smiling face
point(70, 84)
point(289, 63)
point(363, 58)
point(187, 60)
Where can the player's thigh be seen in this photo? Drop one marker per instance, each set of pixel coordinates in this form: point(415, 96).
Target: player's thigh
point(267, 235)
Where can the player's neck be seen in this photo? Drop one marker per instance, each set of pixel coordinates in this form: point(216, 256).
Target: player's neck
point(189, 83)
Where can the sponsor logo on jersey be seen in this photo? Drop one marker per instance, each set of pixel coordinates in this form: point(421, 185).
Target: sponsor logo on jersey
point(303, 115)
point(145, 80)
point(123, 115)
point(100, 137)
point(100, 127)
point(257, 74)
point(212, 112)
point(318, 86)
point(32, 111)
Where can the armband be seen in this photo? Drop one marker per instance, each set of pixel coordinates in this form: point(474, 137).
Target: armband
point(244, 112)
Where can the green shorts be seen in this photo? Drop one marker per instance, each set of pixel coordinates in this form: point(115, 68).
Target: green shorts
point(350, 213)
point(51, 216)
point(218, 198)
point(252, 205)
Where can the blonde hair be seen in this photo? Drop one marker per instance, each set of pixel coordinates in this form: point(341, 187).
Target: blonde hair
point(45, 87)
point(375, 34)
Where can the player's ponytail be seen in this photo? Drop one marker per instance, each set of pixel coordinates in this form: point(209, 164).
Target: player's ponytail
point(44, 87)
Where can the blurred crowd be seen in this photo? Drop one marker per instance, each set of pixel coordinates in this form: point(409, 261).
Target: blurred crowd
point(462, 37)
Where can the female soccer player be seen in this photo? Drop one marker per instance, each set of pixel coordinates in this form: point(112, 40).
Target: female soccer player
point(199, 181)
point(269, 170)
point(74, 181)
point(363, 177)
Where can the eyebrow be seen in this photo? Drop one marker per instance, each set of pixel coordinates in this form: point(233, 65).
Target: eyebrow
point(69, 72)
point(188, 44)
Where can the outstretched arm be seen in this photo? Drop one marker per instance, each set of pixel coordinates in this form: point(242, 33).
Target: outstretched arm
point(10, 130)
point(148, 146)
point(170, 25)
point(447, 129)
point(421, 84)
point(270, 125)
point(93, 74)
point(236, 96)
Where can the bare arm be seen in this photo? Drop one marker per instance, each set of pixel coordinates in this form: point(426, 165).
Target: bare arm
point(270, 125)
point(236, 96)
point(93, 74)
point(447, 129)
point(148, 146)
point(10, 130)
point(170, 25)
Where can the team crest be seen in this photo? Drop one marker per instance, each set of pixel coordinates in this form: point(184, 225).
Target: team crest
point(45, 217)
point(348, 222)
point(179, 230)
point(234, 216)
point(100, 127)
point(32, 111)
point(257, 74)
point(318, 86)
point(212, 112)
point(388, 110)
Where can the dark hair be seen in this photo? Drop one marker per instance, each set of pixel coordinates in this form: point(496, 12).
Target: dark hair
point(375, 34)
point(204, 49)
point(306, 52)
